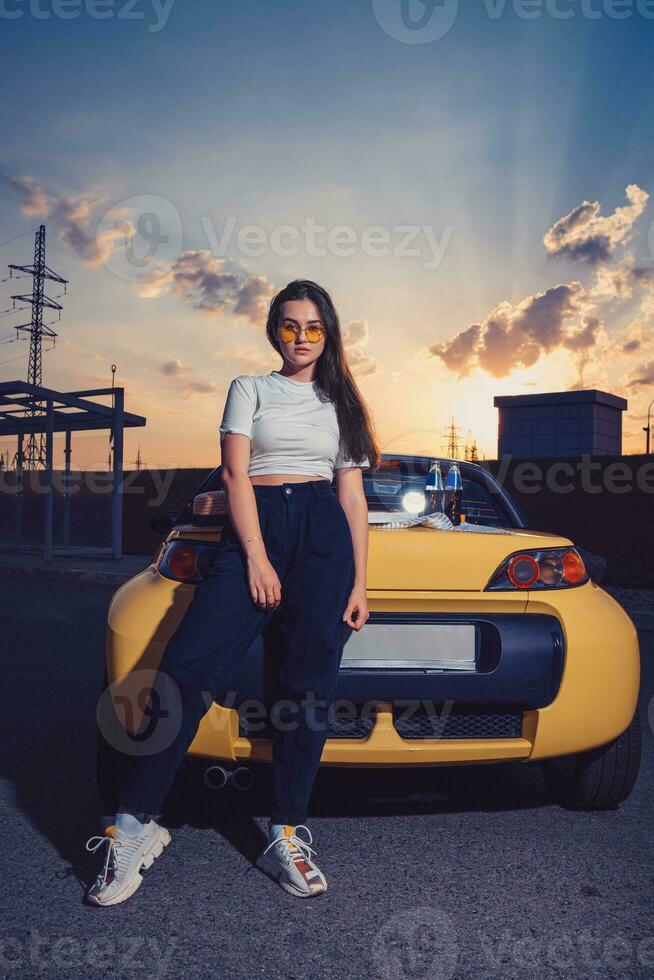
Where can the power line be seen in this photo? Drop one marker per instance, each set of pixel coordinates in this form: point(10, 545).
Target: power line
point(13, 309)
point(19, 358)
point(16, 237)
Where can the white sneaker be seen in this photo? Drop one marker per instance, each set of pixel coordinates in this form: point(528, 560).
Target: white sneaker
point(120, 876)
point(287, 859)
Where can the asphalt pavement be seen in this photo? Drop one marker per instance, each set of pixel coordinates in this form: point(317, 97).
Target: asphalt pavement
point(455, 872)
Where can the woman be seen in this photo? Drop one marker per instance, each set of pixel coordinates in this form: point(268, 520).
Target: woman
point(289, 543)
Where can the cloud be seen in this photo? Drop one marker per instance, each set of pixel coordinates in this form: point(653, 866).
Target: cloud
point(459, 353)
point(584, 338)
point(74, 214)
point(615, 281)
point(636, 334)
point(642, 377)
point(643, 275)
point(195, 277)
point(588, 236)
point(201, 279)
point(515, 336)
point(355, 338)
point(173, 368)
point(253, 299)
point(188, 386)
point(34, 200)
point(581, 343)
point(200, 388)
point(249, 357)
point(567, 316)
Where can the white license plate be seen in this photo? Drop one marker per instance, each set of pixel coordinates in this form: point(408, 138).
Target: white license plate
point(393, 646)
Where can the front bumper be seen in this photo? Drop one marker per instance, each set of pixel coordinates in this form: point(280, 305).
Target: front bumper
point(218, 737)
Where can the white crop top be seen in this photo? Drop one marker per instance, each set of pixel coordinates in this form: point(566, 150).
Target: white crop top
point(290, 429)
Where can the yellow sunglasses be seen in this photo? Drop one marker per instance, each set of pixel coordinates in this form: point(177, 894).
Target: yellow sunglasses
point(313, 334)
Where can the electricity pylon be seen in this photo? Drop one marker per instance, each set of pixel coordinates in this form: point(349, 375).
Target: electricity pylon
point(35, 454)
point(471, 452)
point(452, 441)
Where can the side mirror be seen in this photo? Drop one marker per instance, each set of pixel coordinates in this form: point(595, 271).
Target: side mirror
point(163, 522)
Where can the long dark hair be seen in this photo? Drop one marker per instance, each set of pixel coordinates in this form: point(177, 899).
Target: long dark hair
point(333, 377)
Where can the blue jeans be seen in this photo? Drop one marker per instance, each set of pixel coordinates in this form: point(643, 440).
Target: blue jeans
point(308, 542)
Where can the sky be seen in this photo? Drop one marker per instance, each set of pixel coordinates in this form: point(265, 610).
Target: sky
point(471, 182)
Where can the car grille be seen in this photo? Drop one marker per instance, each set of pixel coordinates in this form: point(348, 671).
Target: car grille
point(358, 726)
point(459, 723)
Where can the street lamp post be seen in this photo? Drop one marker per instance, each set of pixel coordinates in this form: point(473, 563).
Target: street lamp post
point(648, 428)
point(113, 406)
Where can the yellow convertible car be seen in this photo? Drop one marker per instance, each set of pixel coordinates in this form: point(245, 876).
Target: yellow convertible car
point(486, 642)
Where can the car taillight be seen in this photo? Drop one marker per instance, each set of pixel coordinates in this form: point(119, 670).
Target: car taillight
point(522, 571)
point(574, 570)
point(186, 561)
point(182, 562)
point(556, 568)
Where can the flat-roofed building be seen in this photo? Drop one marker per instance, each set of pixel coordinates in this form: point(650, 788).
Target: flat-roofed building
point(560, 423)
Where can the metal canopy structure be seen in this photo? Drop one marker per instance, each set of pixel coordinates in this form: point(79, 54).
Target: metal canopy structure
point(27, 408)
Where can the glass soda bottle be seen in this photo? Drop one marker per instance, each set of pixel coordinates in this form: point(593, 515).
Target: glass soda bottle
point(434, 491)
point(454, 494)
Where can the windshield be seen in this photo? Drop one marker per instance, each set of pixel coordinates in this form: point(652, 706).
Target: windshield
point(386, 487)
point(398, 483)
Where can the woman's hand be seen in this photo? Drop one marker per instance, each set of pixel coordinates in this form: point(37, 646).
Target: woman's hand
point(265, 587)
point(356, 612)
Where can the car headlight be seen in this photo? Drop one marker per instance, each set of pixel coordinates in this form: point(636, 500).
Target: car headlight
point(554, 568)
